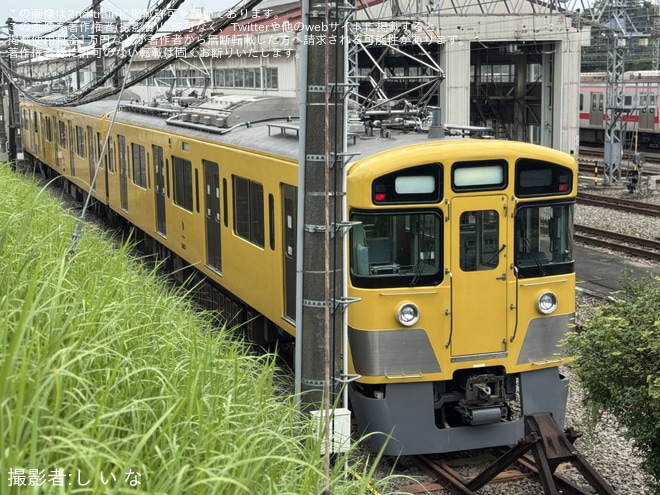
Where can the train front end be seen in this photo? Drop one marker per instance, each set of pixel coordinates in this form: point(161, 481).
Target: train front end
point(463, 265)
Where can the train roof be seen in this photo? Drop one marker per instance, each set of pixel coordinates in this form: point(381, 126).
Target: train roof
point(632, 75)
point(276, 136)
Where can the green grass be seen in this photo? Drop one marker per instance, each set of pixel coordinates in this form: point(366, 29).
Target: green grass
point(105, 371)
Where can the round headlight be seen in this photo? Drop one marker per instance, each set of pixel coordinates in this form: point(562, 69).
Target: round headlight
point(547, 302)
point(407, 314)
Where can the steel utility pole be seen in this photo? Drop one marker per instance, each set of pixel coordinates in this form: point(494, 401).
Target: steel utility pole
point(620, 31)
point(12, 113)
point(98, 44)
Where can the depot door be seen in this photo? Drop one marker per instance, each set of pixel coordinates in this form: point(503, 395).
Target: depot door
point(647, 109)
point(479, 267)
point(597, 109)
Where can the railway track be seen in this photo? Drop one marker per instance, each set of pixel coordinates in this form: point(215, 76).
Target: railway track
point(649, 209)
point(448, 477)
point(546, 454)
point(635, 246)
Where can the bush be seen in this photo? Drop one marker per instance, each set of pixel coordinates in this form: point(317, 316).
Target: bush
point(618, 363)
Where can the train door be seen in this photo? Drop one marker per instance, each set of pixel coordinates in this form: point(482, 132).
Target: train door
point(478, 266)
point(212, 205)
point(647, 110)
point(159, 191)
point(597, 108)
point(289, 206)
point(123, 172)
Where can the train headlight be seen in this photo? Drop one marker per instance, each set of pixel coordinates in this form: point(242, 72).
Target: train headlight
point(407, 314)
point(547, 302)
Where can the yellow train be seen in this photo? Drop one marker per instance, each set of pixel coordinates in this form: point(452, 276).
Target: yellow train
point(462, 259)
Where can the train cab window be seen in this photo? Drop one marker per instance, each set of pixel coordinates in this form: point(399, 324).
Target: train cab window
point(544, 239)
point(396, 249)
point(249, 210)
point(183, 186)
point(479, 240)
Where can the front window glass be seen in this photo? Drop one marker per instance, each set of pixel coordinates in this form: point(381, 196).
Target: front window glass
point(396, 249)
point(479, 240)
point(544, 240)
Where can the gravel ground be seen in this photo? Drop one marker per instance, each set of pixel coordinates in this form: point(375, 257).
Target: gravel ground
point(642, 226)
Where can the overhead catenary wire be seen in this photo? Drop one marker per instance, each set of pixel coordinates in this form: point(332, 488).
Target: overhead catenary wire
point(75, 238)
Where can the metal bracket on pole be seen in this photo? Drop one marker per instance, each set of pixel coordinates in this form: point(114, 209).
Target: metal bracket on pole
point(343, 227)
point(339, 12)
point(342, 303)
point(340, 227)
point(348, 378)
point(341, 158)
point(342, 89)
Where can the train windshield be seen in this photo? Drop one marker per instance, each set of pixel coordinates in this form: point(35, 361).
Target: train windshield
point(396, 249)
point(544, 239)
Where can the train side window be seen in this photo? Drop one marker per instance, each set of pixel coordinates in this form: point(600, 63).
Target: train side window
point(112, 164)
point(80, 142)
point(197, 190)
point(99, 147)
point(271, 221)
point(49, 130)
point(167, 176)
point(183, 187)
point(225, 208)
point(249, 210)
point(63, 139)
point(139, 165)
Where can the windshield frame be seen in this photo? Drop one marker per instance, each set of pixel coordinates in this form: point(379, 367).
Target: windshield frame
point(539, 262)
point(413, 275)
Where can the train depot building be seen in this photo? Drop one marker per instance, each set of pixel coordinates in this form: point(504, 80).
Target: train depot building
point(511, 66)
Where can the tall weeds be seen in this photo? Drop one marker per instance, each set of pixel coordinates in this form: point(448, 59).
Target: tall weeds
point(112, 383)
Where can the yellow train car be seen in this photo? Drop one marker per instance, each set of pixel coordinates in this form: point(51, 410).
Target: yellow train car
point(461, 256)
point(463, 265)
